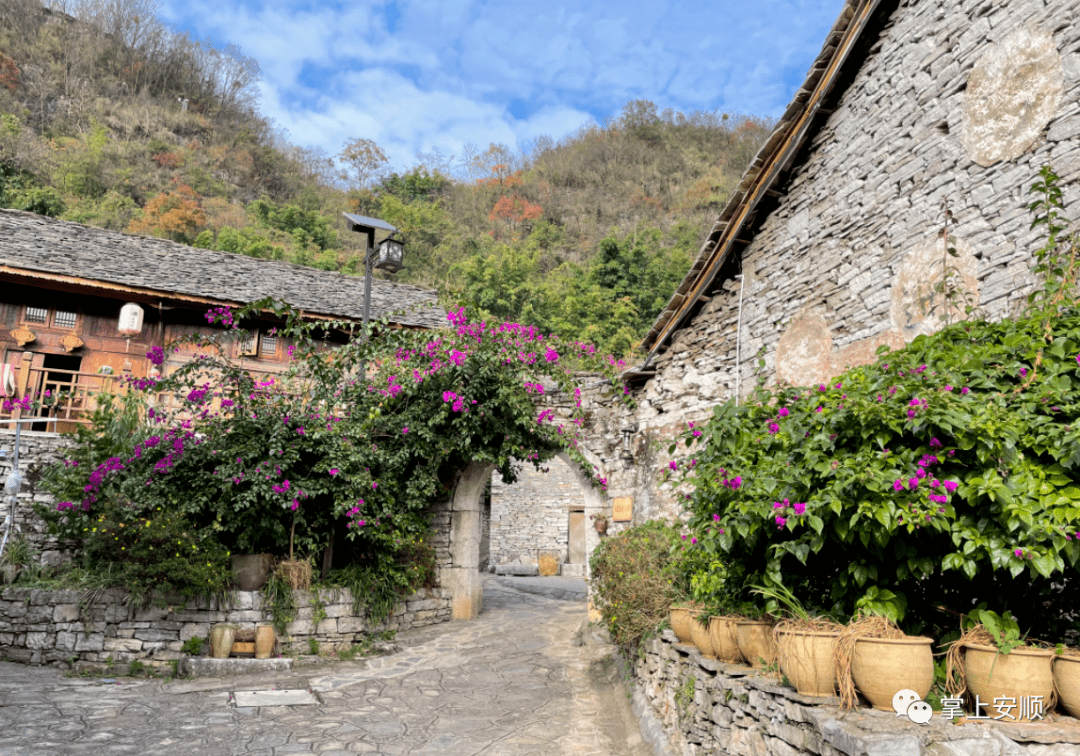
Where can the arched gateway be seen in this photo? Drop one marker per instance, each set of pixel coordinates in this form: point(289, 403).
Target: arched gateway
point(461, 517)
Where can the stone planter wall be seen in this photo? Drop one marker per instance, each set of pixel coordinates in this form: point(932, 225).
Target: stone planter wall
point(45, 627)
point(692, 705)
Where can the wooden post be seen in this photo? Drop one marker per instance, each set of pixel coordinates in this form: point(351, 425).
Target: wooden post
point(22, 382)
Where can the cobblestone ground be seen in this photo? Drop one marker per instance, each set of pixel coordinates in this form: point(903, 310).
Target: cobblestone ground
point(511, 682)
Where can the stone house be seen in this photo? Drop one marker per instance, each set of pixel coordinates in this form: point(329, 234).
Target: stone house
point(62, 287)
point(831, 245)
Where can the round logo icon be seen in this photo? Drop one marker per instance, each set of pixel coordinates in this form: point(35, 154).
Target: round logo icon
point(920, 712)
point(902, 699)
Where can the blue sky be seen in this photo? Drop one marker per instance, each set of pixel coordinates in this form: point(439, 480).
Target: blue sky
point(419, 74)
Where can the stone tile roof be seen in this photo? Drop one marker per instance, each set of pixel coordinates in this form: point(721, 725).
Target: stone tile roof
point(768, 170)
point(35, 243)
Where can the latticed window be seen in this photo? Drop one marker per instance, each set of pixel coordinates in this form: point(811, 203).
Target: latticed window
point(64, 319)
point(268, 345)
point(36, 315)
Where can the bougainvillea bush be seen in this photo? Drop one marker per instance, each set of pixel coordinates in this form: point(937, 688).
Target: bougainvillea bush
point(318, 455)
point(945, 474)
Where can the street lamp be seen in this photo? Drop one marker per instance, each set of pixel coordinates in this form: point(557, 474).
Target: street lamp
point(388, 256)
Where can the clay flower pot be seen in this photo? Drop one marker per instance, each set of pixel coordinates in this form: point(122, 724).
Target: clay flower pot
point(756, 642)
point(700, 634)
point(882, 666)
point(725, 642)
point(1021, 673)
point(806, 658)
point(250, 571)
point(264, 641)
point(1067, 680)
point(221, 640)
point(680, 623)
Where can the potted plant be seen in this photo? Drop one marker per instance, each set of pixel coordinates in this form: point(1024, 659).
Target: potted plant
point(600, 522)
point(1067, 678)
point(754, 635)
point(806, 644)
point(992, 661)
point(18, 555)
point(874, 656)
point(680, 623)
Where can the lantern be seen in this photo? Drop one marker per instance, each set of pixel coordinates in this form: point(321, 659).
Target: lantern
point(390, 255)
point(131, 320)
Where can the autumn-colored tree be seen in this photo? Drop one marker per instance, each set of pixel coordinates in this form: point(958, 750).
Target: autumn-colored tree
point(176, 215)
point(514, 210)
point(9, 73)
point(366, 159)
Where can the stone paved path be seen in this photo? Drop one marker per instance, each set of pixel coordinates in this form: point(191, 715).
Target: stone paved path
point(507, 684)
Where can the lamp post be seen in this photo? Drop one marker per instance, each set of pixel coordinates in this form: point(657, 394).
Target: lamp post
point(389, 255)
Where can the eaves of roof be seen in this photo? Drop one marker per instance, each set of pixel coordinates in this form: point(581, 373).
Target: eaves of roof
point(71, 254)
point(762, 178)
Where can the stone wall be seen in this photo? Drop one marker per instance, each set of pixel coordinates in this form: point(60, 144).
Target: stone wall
point(954, 102)
point(704, 706)
point(36, 450)
point(532, 515)
point(43, 627)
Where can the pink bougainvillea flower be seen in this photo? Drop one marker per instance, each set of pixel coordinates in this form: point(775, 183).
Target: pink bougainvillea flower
point(673, 465)
point(1023, 372)
point(773, 428)
point(784, 412)
point(334, 471)
point(404, 431)
point(799, 507)
point(935, 444)
point(898, 485)
point(964, 390)
point(780, 522)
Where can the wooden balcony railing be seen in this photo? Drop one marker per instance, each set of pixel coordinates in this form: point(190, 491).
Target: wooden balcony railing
point(68, 397)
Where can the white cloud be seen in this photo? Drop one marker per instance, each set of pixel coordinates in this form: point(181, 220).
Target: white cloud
point(450, 70)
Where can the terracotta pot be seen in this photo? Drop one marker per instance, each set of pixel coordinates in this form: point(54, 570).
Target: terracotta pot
point(756, 643)
point(264, 642)
point(1022, 673)
point(725, 643)
point(882, 666)
point(221, 640)
point(601, 525)
point(680, 623)
point(250, 571)
point(806, 658)
point(1067, 680)
point(700, 634)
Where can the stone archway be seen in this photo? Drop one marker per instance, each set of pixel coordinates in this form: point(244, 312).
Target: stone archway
point(460, 574)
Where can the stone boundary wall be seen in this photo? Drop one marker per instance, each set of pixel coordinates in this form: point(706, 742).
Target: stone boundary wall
point(36, 450)
point(731, 709)
point(49, 627)
point(532, 516)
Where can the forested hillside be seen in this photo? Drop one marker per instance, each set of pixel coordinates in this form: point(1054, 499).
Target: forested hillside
point(109, 118)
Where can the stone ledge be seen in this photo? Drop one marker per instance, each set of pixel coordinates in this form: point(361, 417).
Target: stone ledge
point(206, 667)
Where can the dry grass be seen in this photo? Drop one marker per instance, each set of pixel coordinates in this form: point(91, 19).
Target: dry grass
point(859, 628)
point(295, 572)
point(549, 565)
point(955, 684)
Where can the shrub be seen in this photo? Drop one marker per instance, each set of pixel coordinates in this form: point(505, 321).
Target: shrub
point(942, 476)
point(636, 576)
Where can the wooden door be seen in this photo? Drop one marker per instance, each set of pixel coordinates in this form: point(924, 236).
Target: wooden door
point(576, 540)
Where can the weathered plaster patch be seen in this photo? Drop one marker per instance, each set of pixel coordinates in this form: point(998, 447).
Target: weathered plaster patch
point(1012, 94)
point(802, 355)
point(864, 351)
point(916, 307)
